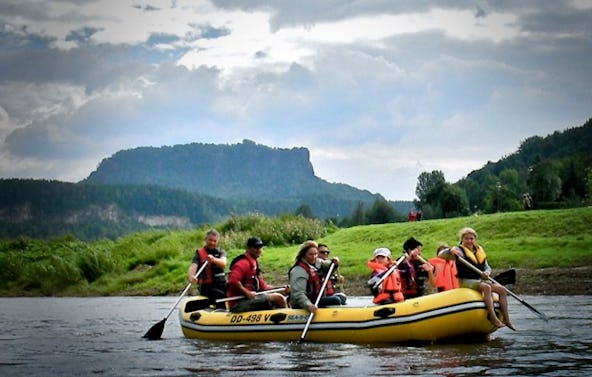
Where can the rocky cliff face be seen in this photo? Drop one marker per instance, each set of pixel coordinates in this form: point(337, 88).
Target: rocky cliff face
point(227, 171)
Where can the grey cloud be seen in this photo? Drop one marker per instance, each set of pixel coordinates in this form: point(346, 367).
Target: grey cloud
point(175, 96)
point(424, 89)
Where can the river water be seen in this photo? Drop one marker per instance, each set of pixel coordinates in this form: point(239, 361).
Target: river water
point(102, 336)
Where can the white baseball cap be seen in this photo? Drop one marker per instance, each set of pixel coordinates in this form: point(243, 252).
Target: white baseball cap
point(381, 251)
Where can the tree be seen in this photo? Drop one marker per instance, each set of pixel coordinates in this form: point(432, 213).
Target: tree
point(381, 212)
point(425, 183)
point(358, 216)
point(511, 190)
point(304, 211)
point(544, 181)
point(450, 200)
point(589, 185)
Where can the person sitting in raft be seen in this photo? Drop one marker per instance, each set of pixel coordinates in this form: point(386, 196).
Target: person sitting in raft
point(390, 290)
point(335, 284)
point(244, 279)
point(413, 272)
point(468, 278)
point(212, 282)
point(306, 279)
point(445, 271)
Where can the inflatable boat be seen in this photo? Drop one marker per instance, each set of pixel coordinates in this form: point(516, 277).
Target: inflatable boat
point(458, 314)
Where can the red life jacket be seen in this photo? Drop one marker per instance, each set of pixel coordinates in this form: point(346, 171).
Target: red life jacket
point(409, 281)
point(252, 279)
point(313, 284)
point(207, 277)
point(445, 273)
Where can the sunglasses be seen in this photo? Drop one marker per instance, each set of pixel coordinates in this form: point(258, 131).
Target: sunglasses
point(324, 252)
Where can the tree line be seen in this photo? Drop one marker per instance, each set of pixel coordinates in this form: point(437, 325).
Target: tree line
point(550, 172)
point(546, 173)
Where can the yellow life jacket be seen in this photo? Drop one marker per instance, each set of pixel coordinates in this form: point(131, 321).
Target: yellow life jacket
point(477, 257)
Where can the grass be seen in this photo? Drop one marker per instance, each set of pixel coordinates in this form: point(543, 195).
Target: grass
point(155, 263)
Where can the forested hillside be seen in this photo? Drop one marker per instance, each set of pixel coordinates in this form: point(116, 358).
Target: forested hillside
point(244, 170)
point(555, 170)
point(178, 187)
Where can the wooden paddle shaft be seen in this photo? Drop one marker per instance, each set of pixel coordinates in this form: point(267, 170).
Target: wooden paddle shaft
point(203, 267)
point(540, 314)
point(311, 315)
point(255, 293)
point(389, 271)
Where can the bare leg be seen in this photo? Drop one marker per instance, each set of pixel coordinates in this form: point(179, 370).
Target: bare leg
point(277, 300)
point(486, 291)
point(503, 301)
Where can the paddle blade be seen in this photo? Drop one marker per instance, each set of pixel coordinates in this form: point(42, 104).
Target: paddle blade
point(506, 277)
point(541, 315)
point(155, 331)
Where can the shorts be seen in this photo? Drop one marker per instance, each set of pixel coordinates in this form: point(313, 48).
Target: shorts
point(259, 302)
point(470, 283)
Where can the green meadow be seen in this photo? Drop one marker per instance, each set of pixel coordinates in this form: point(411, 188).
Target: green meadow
point(155, 263)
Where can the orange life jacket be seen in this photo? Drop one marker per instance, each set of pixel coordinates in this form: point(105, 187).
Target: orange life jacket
point(391, 286)
point(445, 273)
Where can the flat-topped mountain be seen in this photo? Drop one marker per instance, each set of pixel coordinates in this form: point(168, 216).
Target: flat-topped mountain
point(244, 170)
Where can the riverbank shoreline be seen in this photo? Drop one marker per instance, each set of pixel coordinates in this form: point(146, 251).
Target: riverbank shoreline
point(575, 281)
point(544, 281)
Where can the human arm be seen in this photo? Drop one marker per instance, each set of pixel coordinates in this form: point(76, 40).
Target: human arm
point(430, 271)
point(486, 270)
point(192, 270)
point(191, 273)
point(451, 253)
point(325, 264)
point(219, 261)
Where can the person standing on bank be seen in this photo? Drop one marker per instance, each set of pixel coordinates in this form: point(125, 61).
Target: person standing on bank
point(306, 279)
point(212, 281)
point(413, 272)
point(473, 253)
point(335, 284)
point(245, 280)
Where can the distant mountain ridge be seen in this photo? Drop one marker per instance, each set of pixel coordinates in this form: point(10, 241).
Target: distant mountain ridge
point(178, 187)
point(186, 185)
point(244, 170)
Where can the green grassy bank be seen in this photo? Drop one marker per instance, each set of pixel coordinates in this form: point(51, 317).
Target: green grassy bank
point(155, 263)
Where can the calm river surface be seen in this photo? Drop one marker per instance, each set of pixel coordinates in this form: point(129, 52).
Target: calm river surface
point(103, 337)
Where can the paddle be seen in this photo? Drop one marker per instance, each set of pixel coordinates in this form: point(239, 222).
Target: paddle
point(389, 271)
point(468, 264)
point(256, 293)
point(155, 331)
point(311, 315)
point(507, 277)
point(503, 278)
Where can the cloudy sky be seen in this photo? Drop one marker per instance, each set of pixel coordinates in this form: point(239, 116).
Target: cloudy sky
point(378, 90)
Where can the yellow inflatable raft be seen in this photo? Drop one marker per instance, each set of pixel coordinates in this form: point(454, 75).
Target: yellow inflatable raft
point(457, 314)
